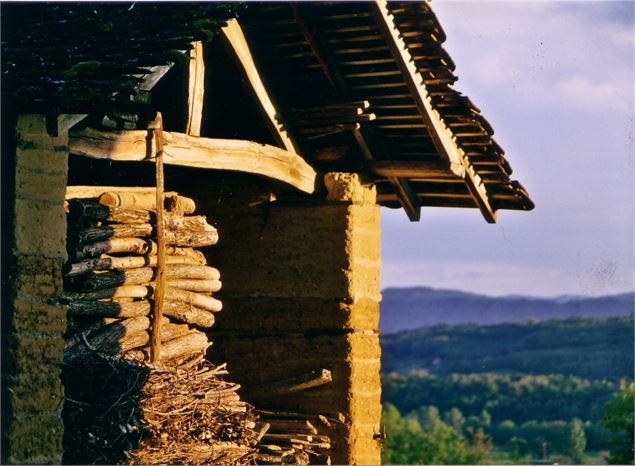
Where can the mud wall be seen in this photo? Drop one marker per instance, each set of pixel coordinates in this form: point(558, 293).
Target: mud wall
point(31, 376)
point(301, 293)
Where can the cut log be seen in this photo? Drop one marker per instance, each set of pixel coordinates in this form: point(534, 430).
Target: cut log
point(302, 439)
point(117, 277)
point(197, 272)
point(327, 421)
point(195, 299)
point(116, 245)
point(180, 205)
point(177, 277)
point(290, 385)
point(140, 291)
point(187, 313)
point(193, 222)
point(122, 336)
point(186, 257)
point(198, 286)
point(95, 211)
point(194, 238)
point(298, 426)
point(141, 246)
point(261, 428)
point(129, 342)
point(193, 342)
point(147, 201)
point(108, 308)
point(107, 339)
point(175, 309)
point(91, 235)
point(127, 291)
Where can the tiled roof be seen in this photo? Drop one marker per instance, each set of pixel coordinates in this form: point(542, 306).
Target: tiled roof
point(336, 52)
point(73, 56)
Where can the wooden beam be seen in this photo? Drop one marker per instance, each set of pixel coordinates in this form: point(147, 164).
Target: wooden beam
point(440, 133)
point(365, 136)
point(413, 169)
point(196, 90)
point(153, 76)
point(192, 151)
point(237, 43)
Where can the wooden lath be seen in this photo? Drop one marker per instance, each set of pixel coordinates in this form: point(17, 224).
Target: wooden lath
point(440, 133)
point(368, 142)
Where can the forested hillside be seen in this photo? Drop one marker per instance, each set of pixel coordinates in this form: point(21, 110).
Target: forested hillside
point(510, 393)
point(413, 308)
point(590, 348)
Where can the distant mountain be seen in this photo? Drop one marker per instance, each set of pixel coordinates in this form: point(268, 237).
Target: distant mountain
point(595, 348)
point(412, 308)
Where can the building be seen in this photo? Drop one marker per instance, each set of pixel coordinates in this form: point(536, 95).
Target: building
point(290, 126)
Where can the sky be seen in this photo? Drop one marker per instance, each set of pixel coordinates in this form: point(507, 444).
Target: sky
point(556, 81)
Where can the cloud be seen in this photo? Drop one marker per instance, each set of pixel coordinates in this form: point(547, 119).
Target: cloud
point(584, 92)
point(549, 53)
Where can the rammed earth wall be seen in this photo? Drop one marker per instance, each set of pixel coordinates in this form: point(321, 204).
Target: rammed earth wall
point(301, 292)
point(33, 328)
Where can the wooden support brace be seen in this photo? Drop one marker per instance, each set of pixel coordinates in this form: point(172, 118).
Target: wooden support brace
point(440, 133)
point(156, 130)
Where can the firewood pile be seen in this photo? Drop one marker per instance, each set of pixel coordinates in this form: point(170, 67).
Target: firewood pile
point(121, 406)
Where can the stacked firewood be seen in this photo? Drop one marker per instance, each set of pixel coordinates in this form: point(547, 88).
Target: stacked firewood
point(110, 278)
point(292, 438)
point(121, 408)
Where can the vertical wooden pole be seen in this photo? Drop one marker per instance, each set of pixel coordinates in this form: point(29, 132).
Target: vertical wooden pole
point(159, 289)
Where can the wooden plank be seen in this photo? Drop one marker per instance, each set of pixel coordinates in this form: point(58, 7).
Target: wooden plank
point(196, 90)
point(441, 134)
point(414, 169)
point(288, 386)
point(191, 151)
point(237, 43)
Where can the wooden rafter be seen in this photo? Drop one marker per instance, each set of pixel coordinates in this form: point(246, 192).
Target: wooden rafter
point(368, 142)
point(415, 169)
point(196, 90)
point(237, 43)
point(193, 151)
point(440, 133)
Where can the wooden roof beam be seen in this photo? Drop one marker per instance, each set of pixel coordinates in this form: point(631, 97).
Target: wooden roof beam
point(236, 42)
point(440, 133)
point(193, 151)
point(364, 135)
point(196, 90)
point(413, 169)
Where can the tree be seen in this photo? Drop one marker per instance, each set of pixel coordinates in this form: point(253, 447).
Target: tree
point(620, 419)
point(455, 419)
point(574, 440)
point(407, 442)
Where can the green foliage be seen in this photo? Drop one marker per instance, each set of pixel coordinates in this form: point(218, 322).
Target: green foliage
point(619, 418)
point(448, 417)
point(550, 347)
point(549, 398)
point(82, 69)
point(431, 441)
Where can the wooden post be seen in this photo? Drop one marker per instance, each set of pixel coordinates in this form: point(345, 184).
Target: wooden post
point(155, 346)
